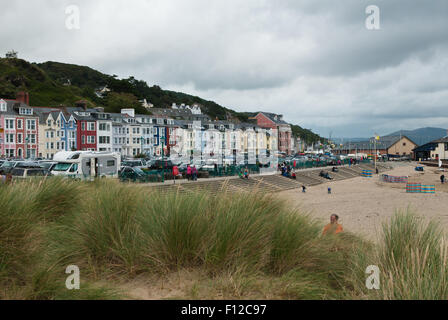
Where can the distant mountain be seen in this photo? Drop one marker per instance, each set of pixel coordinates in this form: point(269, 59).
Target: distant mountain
point(422, 135)
point(346, 140)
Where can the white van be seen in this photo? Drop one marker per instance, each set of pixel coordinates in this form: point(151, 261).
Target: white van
point(86, 164)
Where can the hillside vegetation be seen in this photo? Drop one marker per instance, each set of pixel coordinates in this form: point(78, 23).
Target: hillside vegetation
point(53, 84)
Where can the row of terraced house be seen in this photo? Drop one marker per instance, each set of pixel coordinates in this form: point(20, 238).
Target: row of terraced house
point(31, 132)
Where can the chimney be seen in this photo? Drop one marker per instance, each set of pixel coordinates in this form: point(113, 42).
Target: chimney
point(23, 97)
point(81, 104)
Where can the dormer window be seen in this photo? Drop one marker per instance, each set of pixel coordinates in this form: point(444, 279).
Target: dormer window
point(25, 111)
point(3, 105)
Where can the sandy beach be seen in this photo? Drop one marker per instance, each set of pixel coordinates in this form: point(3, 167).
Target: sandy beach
point(364, 203)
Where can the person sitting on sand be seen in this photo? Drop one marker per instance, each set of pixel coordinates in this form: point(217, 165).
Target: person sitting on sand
point(333, 227)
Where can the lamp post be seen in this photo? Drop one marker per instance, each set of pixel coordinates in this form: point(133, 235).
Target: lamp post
point(26, 148)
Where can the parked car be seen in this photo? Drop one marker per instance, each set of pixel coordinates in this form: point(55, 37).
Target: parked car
point(8, 166)
point(48, 165)
point(162, 164)
point(133, 174)
point(139, 163)
point(23, 172)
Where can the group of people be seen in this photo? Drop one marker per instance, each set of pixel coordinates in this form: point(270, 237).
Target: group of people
point(325, 175)
point(244, 174)
point(287, 171)
point(192, 173)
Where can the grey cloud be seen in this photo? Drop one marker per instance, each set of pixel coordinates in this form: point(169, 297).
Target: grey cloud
point(313, 61)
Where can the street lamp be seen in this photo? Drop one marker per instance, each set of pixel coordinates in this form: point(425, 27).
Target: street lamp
point(26, 147)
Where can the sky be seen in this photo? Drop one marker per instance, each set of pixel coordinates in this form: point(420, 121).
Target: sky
point(314, 61)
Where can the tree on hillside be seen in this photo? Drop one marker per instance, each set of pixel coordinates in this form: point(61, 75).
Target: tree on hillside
point(114, 102)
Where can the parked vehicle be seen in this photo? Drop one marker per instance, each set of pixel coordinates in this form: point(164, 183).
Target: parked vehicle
point(86, 164)
point(8, 166)
point(138, 163)
point(162, 164)
point(133, 174)
point(48, 165)
point(22, 173)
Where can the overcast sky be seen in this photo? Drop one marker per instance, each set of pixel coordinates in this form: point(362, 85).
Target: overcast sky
point(314, 61)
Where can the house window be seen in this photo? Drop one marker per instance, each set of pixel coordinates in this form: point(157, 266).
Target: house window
point(19, 138)
point(9, 124)
point(2, 105)
point(91, 139)
point(25, 111)
point(104, 127)
point(91, 126)
point(83, 139)
point(31, 124)
point(49, 123)
point(10, 153)
point(10, 138)
point(104, 140)
point(83, 126)
point(19, 124)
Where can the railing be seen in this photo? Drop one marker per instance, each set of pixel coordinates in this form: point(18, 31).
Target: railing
point(230, 170)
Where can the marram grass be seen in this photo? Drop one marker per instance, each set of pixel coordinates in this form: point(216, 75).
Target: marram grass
point(248, 243)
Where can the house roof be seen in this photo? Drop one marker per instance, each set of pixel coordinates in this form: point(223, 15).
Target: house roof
point(12, 107)
point(384, 143)
point(441, 140)
point(276, 118)
point(430, 146)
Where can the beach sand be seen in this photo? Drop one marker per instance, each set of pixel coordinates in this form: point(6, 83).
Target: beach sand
point(363, 204)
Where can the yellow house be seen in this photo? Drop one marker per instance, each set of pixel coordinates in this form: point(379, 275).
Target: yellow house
point(51, 133)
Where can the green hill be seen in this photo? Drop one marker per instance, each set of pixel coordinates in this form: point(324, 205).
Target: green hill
point(54, 84)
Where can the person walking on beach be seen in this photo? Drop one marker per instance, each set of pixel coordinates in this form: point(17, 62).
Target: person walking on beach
point(303, 188)
point(442, 178)
point(333, 227)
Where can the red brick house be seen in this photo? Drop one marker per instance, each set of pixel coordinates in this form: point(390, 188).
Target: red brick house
point(283, 129)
